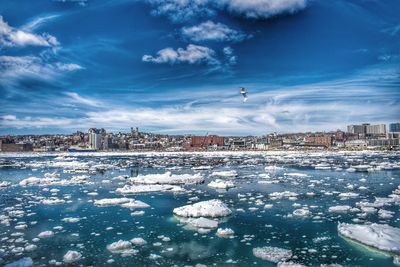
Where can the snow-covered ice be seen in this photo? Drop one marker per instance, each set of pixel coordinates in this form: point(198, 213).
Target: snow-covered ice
point(210, 208)
point(380, 236)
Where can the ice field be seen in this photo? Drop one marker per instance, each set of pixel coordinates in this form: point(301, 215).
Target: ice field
point(200, 209)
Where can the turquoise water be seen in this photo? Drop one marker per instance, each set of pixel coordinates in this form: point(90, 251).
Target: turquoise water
point(314, 239)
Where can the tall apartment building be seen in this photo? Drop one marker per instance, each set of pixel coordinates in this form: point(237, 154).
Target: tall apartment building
point(94, 138)
point(367, 129)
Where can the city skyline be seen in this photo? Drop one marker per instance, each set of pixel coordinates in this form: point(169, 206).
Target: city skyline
point(176, 68)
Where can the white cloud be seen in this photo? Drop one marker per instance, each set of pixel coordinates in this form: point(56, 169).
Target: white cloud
point(13, 69)
point(37, 22)
point(184, 10)
point(10, 36)
point(193, 54)
point(262, 9)
point(210, 31)
point(9, 117)
point(181, 10)
point(76, 98)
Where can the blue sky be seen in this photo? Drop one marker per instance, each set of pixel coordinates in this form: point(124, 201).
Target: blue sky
point(175, 66)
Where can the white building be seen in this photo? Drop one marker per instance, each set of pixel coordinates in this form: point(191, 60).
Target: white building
point(94, 139)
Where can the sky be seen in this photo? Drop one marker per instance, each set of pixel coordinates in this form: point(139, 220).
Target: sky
point(176, 66)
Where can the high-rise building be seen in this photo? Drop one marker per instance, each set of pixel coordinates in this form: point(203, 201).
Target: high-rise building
point(94, 138)
point(357, 129)
point(367, 129)
point(394, 127)
point(378, 129)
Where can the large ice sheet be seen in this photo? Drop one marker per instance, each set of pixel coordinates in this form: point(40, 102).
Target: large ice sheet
point(380, 236)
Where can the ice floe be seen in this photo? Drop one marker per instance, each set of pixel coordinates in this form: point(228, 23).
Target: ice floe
point(168, 178)
point(221, 184)
point(122, 202)
point(210, 208)
point(380, 236)
point(272, 254)
point(137, 189)
point(72, 256)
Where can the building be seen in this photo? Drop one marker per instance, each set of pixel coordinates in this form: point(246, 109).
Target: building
point(394, 127)
point(379, 129)
point(94, 138)
point(13, 147)
point(206, 141)
point(340, 136)
point(383, 142)
point(367, 129)
point(356, 144)
point(319, 140)
point(357, 129)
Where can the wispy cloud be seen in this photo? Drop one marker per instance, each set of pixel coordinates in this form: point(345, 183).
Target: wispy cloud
point(38, 21)
point(10, 36)
point(210, 31)
point(308, 107)
point(76, 98)
point(14, 69)
point(181, 10)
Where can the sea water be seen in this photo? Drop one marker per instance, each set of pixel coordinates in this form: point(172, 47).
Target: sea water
point(261, 215)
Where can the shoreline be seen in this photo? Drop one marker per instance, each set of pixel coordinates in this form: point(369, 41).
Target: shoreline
point(218, 152)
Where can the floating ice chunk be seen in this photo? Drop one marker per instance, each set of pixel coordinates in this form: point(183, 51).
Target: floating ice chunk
point(210, 208)
point(380, 236)
point(203, 223)
point(302, 212)
point(72, 256)
point(225, 232)
point(71, 220)
point(340, 209)
point(111, 201)
point(4, 184)
point(122, 202)
point(120, 246)
point(24, 262)
point(30, 247)
point(221, 184)
point(136, 189)
point(284, 194)
point(138, 241)
point(385, 214)
point(168, 178)
point(46, 234)
point(297, 174)
point(348, 195)
point(273, 168)
point(36, 181)
point(272, 254)
point(231, 173)
point(138, 213)
point(52, 201)
point(289, 264)
point(154, 257)
point(135, 204)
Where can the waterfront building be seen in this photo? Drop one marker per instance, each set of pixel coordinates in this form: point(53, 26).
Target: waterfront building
point(394, 127)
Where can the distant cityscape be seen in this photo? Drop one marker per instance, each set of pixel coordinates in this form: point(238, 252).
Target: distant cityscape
point(362, 136)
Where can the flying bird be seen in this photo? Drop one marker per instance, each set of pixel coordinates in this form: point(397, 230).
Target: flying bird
point(243, 92)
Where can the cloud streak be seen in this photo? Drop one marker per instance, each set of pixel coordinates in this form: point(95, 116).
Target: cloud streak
point(10, 36)
point(14, 69)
